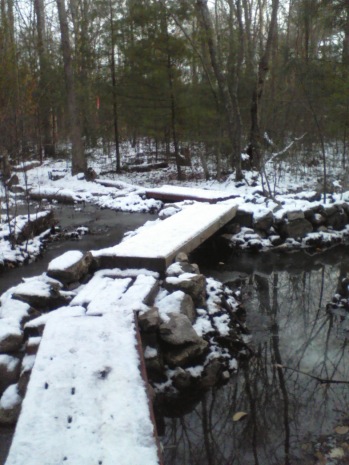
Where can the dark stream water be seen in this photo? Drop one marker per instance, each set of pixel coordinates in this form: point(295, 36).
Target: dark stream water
point(291, 415)
point(106, 228)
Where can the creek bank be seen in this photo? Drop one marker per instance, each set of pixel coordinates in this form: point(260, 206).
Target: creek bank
point(23, 238)
point(314, 226)
point(192, 327)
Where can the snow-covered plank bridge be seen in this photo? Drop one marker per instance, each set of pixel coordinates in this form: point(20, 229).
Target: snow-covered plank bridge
point(179, 193)
point(154, 248)
point(86, 403)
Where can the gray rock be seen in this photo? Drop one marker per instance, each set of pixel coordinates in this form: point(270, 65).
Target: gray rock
point(178, 302)
point(295, 215)
point(182, 257)
point(338, 220)
point(9, 371)
point(48, 300)
point(155, 368)
point(192, 284)
point(318, 220)
point(329, 210)
point(182, 379)
point(264, 222)
point(245, 219)
point(178, 268)
point(211, 375)
point(149, 321)
point(178, 331)
point(184, 356)
point(296, 229)
point(74, 272)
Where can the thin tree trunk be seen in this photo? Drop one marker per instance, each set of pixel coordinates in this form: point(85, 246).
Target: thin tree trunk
point(115, 103)
point(263, 69)
point(44, 109)
point(78, 157)
point(226, 98)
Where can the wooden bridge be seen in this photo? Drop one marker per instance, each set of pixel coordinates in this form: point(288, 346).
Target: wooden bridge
point(87, 403)
point(156, 247)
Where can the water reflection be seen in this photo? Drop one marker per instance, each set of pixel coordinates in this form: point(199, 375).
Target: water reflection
point(293, 388)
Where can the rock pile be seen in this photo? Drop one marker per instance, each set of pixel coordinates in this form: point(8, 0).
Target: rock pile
point(192, 327)
point(315, 226)
point(194, 334)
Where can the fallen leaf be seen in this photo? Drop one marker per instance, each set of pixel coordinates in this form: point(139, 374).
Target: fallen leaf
point(239, 416)
point(337, 453)
point(341, 429)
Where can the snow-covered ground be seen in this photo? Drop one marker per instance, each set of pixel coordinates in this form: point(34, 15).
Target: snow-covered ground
point(292, 189)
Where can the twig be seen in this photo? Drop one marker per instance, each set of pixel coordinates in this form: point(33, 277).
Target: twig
point(320, 380)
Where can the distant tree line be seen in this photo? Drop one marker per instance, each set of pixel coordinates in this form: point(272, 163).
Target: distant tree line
point(227, 75)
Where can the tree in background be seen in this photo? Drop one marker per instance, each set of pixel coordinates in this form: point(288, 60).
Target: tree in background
point(79, 163)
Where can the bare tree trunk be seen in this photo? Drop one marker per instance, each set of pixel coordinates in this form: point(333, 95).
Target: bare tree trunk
point(115, 103)
point(44, 110)
point(227, 101)
point(263, 69)
point(346, 38)
point(78, 157)
point(164, 30)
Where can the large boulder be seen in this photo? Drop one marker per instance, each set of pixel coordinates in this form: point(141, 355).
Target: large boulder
point(149, 321)
point(244, 218)
point(190, 283)
point(70, 267)
point(263, 222)
point(187, 355)
point(177, 302)
point(42, 294)
point(295, 229)
point(178, 331)
point(338, 220)
point(178, 268)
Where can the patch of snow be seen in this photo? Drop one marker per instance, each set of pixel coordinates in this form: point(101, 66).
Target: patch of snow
point(150, 352)
point(66, 260)
point(170, 304)
point(10, 398)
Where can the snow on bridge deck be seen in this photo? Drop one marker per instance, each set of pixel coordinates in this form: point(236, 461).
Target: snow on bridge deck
point(86, 402)
point(155, 248)
point(178, 193)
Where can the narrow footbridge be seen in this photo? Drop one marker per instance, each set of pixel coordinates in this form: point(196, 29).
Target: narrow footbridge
point(87, 401)
point(154, 248)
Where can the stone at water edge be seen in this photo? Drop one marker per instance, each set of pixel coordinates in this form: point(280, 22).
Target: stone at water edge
point(187, 355)
point(192, 284)
point(70, 267)
point(149, 321)
point(177, 302)
point(295, 229)
point(178, 331)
